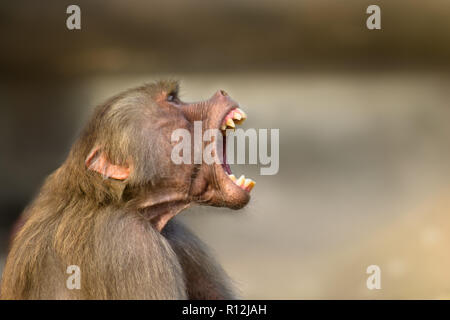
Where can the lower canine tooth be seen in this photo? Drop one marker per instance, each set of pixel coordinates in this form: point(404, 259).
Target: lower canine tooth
point(240, 181)
point(232, 177)
point(249, 184)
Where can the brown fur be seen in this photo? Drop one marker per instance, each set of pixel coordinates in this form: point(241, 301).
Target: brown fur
point(111, 228)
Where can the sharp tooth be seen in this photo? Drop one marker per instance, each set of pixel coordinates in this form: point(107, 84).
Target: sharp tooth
point(249, 184)
point(242, 113)
point(237, 116)
point(223, 126)
point(232, 177)
point(240, 181)
point(230, 123)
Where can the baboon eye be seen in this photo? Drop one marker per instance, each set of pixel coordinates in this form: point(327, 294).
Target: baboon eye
point(172, 97)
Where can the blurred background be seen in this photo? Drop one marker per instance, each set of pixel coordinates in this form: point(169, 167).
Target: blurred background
point(363, 118)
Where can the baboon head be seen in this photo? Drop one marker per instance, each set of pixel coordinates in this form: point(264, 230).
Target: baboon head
point(124, 156)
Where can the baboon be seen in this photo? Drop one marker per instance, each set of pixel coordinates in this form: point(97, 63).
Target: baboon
point(108, 209)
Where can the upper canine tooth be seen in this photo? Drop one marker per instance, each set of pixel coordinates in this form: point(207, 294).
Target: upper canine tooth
point(230, 123)
point(232, 177)
point(223, 126)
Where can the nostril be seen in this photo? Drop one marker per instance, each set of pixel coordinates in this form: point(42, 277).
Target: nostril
point(221, 95)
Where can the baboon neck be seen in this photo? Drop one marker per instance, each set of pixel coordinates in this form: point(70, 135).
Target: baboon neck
point(74, 184)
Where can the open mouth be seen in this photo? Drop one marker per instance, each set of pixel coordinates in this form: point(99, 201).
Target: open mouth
point(235, 117)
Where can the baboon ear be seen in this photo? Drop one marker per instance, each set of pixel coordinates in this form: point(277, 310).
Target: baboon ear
point(98, 161)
